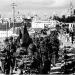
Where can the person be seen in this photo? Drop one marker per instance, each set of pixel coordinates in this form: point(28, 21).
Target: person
point(21, 51)
point(12, 52)
point(12, 44)
point(6, 51)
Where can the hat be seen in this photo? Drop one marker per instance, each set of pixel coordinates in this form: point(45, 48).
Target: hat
point(6, 40)
point(11, 38)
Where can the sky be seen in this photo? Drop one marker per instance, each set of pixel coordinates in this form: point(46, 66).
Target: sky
point(33, 6)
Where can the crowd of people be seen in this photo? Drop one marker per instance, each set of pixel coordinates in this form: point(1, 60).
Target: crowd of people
point(41, 50)
point(8, 52)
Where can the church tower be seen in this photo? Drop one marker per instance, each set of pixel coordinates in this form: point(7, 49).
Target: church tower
point(71, 8)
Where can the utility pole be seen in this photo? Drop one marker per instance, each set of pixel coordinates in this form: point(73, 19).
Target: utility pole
point(7, 27)
point(13, 7)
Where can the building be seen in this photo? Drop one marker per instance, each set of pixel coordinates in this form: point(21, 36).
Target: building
point(71, 26)
point(43, 24)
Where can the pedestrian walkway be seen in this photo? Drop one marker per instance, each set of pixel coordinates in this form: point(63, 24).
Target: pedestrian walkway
point(54, 69)
point(57, 68)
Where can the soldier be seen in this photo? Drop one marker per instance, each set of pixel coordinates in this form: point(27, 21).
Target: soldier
point(12, 52)
point(12, 44)
point(6, 63)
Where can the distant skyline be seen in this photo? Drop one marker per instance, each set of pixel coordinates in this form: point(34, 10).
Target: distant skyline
point(34, 6)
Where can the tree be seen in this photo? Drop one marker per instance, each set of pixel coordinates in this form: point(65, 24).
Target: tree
point(25, 37)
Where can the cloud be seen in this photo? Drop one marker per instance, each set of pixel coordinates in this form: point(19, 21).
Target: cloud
point(43, 3)
point(59, 3)
point(34, 3)
point(62, 3)
point(29, 5)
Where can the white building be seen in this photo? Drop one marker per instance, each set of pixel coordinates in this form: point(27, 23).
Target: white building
point(37, 24)
point(43, 24)
point(19, 19)
point(70, 25)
